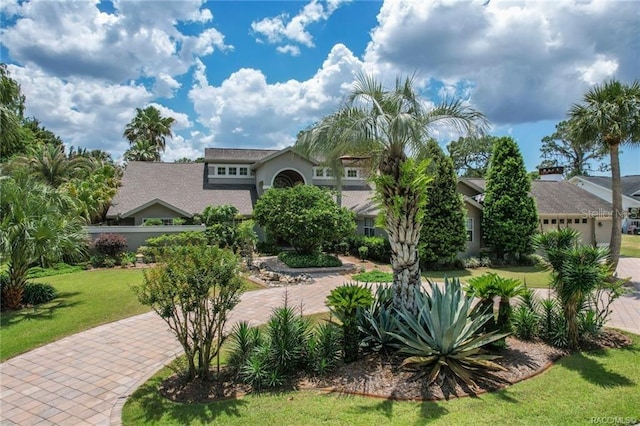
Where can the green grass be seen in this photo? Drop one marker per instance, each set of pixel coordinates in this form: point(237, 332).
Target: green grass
point(374, 276)
point(630, 245)
point(535, 276)
point(602, 384)
point(85, 299)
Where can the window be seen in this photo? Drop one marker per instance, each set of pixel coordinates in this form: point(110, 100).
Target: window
point(319, 172)
point(584, 220)
point(158, 221)
point(352, 173)
point(233, 171)
point(545, 221)
point(554, 221)
point(562, 221)
point(369, 227)
point(243, 171)
point(222, 171)
point(328, 173)
point(569, 221)
point(469, 229)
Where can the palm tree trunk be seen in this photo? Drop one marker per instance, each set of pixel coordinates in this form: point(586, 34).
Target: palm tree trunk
point(401, 208)
point(616, 187)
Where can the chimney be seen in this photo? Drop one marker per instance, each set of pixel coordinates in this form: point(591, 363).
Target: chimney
point(551, 173)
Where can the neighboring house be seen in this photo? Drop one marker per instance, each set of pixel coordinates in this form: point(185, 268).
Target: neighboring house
point(600, 186)
point(560, 205)
point(237, 177)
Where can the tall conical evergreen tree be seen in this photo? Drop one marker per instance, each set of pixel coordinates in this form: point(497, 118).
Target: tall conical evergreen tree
point(443, 232)
point(509, 217)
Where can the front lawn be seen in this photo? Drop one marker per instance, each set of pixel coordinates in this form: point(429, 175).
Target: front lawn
point(85, 299)
point(601, 385)
point(534, 276)
point(630, 245)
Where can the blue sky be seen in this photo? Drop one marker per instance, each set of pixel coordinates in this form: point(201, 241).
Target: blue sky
point(253, 73)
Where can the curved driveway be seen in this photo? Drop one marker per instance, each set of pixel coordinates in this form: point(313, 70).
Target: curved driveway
point(84, 379)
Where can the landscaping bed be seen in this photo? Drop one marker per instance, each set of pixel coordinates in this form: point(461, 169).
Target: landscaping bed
point(381, 376)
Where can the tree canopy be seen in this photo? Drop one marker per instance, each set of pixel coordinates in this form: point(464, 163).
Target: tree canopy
point(509, 217)
point(304, 216)
point(149, 130)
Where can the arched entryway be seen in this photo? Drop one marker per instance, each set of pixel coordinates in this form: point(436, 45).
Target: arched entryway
point(287, 178)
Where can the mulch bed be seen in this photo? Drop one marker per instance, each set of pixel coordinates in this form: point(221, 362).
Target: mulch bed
point(382, 376)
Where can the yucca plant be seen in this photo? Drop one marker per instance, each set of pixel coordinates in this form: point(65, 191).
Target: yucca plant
point(444, 340)
point(244, 339)
point(324, 348)
point(525, 323)
point(344, 302)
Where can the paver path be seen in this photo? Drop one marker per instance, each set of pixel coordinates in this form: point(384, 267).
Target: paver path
point(84, 379)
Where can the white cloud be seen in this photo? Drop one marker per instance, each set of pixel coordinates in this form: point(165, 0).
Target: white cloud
point(165, 86)
point(290, 49)
point(74, 38)
point(524, 61)
point(294, 30)
point(599, 70)
point(244, 110)
point(84, 113)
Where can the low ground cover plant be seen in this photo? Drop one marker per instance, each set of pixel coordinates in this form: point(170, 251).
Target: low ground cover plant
point(312, 260)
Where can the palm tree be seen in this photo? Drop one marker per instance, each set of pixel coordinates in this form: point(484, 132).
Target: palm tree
point(610, 114)
point(35, 226)
point(11, 114)
point(50, 164)
point(387, 126)
point(150, 127)
point(142, 150)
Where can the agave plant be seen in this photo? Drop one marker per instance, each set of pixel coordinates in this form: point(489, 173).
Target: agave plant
point(377, 321)
point(445, 340)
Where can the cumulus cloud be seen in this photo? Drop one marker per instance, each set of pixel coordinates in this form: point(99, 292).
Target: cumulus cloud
point(84, 113)
point(245, 110)
point(75, 38)
point(294, 30)
point(526, 61)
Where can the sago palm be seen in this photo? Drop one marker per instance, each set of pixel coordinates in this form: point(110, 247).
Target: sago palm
point(387, 127)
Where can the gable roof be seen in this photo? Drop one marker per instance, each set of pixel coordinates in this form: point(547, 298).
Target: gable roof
point(178, 186)
point(277, 154)
point(238, 155)
point(554, 198)
point(360, 201)
point(630, 184)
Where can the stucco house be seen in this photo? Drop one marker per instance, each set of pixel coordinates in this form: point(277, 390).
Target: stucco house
point(239, 177)
point(600, 186)
point(560, 205)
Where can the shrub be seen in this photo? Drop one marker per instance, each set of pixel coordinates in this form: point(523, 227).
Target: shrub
point(154, 221)
point(344, 302)
point(305, 217)
point(314, 260)
point(127, 258)
point(444, 339)
point(38, 293)
point(189, 238)
point(267, 247)
point(193, 291)
point(110, 245)
point(244, 340)
point(363, 252)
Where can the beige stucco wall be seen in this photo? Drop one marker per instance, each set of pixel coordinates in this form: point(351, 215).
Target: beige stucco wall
point(287, 161)
point(591, 232)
